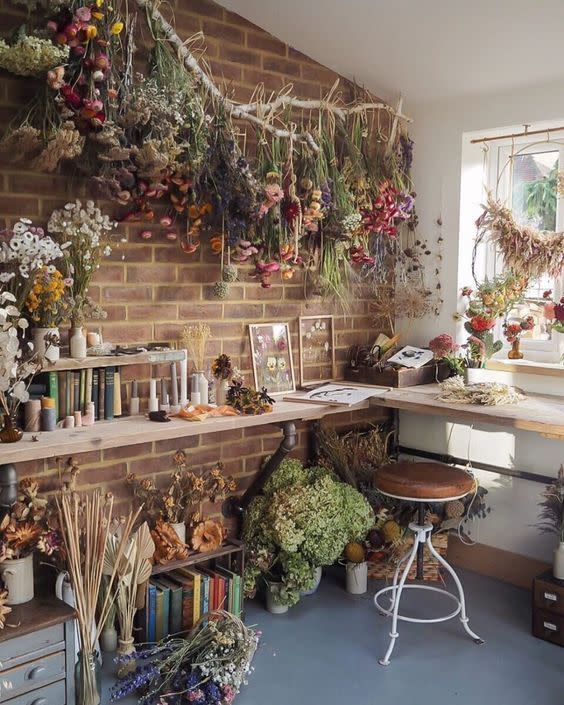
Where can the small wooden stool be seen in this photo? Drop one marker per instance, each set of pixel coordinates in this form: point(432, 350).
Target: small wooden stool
point(424, 483)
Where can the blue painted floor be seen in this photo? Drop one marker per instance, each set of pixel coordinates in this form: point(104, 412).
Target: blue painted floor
point(325, 651)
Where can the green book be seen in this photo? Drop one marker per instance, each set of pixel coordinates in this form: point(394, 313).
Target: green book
point(53, 387)
point(187, 583)
point(88, 391)
point(159, 625)
point(68, 393)
point(62, 395)
point(82, 389)
point(76, 391)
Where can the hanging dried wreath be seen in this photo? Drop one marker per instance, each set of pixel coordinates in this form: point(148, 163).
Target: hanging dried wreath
point(525, 250)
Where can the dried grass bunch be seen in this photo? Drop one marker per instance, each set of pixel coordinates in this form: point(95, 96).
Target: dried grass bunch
point(195, 339)
point(486, 393)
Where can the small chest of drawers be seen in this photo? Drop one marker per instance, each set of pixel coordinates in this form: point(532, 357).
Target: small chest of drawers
point(548, 608)
point(37, 654)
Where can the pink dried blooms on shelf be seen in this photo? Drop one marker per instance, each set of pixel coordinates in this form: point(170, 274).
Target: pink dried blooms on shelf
point(554, 311)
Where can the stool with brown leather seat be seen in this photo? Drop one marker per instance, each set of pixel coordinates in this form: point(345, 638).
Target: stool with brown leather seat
point(423, 483)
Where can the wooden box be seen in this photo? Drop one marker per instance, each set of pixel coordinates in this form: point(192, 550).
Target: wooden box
point(548, 608)
point(398, 376)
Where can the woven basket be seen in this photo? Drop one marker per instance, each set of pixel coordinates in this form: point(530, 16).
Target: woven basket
point(432, 571)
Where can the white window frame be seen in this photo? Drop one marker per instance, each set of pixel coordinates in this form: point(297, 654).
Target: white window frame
point(498, 177)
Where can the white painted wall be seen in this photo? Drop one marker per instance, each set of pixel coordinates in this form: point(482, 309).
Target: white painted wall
point(438, 133)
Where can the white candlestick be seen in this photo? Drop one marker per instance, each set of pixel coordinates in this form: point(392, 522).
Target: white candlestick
point(173, 385)
point(153, 401)
point(184, 379)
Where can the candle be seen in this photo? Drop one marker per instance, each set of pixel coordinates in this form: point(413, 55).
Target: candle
point(32, 415)
point(48, 414)
point(164, 393)
point(173, 384)
point(134, 389)
point(88, 417)
point(184, 378)
point(153, 401)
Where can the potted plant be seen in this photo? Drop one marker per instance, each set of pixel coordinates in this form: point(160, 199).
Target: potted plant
point(223, 372)
point(513, 329)
point(303, 520)
point(446, 349)
point(22, 532)
point(552, 519)
point(84, 230)
point(357, 568)
point(46, 306)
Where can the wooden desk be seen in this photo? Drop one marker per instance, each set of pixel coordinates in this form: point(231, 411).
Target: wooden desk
point(539, 413)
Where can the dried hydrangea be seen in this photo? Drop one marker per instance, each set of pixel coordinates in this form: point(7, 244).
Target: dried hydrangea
point(31, 56)
point(21, 144)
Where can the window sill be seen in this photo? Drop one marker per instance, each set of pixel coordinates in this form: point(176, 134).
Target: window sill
point(550, 369)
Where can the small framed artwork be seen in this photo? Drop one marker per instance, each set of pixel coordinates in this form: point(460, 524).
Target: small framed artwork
point(271, 351)
point(317, 349)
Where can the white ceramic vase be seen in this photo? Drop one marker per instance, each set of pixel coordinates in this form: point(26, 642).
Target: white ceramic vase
point(558, 564)
point(180, 529)
point(109, 639)
point(52, 353)
point(272, 603)
point(317, 573)
point(357, 578)
point(17, 576)
point(77, 343)
point(476, 375)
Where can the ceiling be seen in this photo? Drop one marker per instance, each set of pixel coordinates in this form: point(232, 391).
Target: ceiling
point(428, 49)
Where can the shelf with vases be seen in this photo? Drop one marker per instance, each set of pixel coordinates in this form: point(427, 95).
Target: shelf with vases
point(149, 357)
point(132, 430)
point(229, 547)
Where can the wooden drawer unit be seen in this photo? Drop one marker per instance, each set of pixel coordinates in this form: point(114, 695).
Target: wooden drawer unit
point(548, 608)
point(37, 655)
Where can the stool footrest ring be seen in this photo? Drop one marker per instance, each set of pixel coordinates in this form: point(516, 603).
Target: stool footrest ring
point(403, 618)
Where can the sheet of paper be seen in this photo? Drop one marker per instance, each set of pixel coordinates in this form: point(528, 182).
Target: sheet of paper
point(337, 394)
point(412, 357)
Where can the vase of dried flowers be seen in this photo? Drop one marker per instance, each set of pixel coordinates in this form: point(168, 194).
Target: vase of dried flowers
point(125, 660)
point(17, 576)
point(552, 519)
point(10, 432)
point(87, 679)
point(46, 342)
point(222, 371)
point(515, 352)
point(180, 529)
point(195, 339)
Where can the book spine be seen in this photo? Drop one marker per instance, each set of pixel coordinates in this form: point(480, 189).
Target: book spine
point(187, 604)
point(102, 394)
point(96, 392)
point(88, 389)
point(151, 612)
point(68, 393)
point(197, 597)
point(205, 594)
point(159, 611)
point(109, 399)
point(176, 610)
point(117, 392)
point(76, 391)
point(62, 395)
point(54, 389)
point(82, 388)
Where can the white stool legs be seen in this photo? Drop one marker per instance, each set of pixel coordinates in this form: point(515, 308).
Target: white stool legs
point(422, 535)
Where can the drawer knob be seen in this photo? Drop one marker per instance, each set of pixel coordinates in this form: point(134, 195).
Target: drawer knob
point(37, 671)
point(549, 625)
point(39, 701)
point(551, 596)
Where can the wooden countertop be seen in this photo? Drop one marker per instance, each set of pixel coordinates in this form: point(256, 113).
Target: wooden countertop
point(539, 413)
point(39, 613)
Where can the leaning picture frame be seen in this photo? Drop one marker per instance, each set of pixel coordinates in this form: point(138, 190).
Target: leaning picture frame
point(271, 354)
point(317, 349)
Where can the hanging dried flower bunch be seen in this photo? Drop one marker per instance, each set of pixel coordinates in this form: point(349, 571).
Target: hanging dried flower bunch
point(524, 249)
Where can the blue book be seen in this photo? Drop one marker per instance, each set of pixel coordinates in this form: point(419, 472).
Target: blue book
point(151, 612)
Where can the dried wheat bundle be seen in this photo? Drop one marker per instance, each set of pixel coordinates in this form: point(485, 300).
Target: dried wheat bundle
point(195, 339)
point(486, 393)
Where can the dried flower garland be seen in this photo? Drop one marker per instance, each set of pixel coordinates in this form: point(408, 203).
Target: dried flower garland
point(524, 249)
point(454, 390)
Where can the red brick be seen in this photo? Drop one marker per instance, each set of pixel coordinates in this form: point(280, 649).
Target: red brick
point(223, 31)
point(126, 293)
point(238, 55)
point(178, 293)
point(279, 65)
point(152, 312)
point(150, 273)
point(266, 42)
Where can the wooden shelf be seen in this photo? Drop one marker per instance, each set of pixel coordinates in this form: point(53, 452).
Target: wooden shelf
point(151, 357)
point(132, 430)
point(539, 413)
point(232, 546)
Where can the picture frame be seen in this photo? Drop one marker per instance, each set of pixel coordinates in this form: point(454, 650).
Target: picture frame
point(317, 349)
point(271, 355)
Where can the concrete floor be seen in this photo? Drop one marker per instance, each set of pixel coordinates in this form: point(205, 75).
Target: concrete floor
point(325, 651)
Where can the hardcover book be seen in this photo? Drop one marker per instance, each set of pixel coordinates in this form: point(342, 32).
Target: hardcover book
point(109, 398)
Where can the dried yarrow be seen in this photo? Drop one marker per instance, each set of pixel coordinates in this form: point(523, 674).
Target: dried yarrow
point(31, 56)
point(66, 143)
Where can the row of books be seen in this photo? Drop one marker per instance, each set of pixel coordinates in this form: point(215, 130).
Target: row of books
point(72, 390)
point(176, 600)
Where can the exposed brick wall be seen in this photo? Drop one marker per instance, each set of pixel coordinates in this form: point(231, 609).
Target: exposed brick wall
point(150, 289)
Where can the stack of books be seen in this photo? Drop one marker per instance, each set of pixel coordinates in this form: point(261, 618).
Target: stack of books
point(73, 389)
point(177, 600)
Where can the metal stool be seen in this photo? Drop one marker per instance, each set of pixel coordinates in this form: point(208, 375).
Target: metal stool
point(424, 483)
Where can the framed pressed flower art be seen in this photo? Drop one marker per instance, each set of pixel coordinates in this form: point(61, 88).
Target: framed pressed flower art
point(271, 352)
point(317, 349)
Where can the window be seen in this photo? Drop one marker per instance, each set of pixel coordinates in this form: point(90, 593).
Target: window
point(528, 176)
